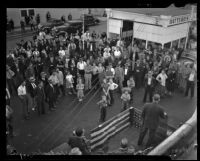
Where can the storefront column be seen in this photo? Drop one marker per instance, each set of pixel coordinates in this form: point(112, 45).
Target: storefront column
point(146, 45)
point(163, 46)
point(179, 41)
point(171, 45)
point(108, 16)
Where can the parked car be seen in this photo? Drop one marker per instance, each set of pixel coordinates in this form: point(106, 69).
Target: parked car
point(189, 56)
point(52, 23)
point(71, 27)
point(90, 20)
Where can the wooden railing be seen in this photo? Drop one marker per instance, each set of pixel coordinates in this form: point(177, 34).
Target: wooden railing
point(116, 124)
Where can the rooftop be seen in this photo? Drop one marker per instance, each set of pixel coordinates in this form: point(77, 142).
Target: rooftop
point(170, 11)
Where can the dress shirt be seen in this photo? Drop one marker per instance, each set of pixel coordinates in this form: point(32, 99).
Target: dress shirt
point(88, 69)
point(126, 71)
point(21, 90)
point(81, 66)
point(125, 97)
point(61, 53)
point(163, 78)
point(106, 55)
point(149, 81)
point(112, 86)
point(60, 77)
point(54, 79)
point(117, 53)
point(191, 77)
point(9, 74)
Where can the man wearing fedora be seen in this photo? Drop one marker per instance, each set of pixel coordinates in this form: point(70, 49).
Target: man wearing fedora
point(149, 84)
point(22, 93)
point(31, 88)
point(78, 140)
point(51, 95)
point(151, 114)
point(127, 73)
point(40, 98)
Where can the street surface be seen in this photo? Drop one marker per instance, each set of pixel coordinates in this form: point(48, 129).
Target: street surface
point(47, 131)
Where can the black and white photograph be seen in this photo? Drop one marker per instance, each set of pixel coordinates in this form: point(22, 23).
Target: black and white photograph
point(102, 81)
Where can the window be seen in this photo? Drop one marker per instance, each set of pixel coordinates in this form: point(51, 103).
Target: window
point(31, 12)
point(23, 13)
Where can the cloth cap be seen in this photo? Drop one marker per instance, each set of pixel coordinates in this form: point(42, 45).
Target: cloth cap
point(32, 79)
point(79, 131)
point(75, 151)
point(124, 142)
point(156, 97)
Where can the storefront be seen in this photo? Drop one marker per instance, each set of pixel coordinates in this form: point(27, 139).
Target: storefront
point(165, 26)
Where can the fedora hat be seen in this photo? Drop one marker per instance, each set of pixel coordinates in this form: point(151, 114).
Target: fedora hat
point(32, 78)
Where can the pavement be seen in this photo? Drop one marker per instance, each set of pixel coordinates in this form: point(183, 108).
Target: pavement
point(48, 131)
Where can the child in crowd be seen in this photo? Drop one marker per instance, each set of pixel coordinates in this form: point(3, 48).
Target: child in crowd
point(80, 87)
point(131, 85)
point(69, 82)
point(125, 99)
point(103, 105)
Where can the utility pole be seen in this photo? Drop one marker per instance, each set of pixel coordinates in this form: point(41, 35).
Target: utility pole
point(189, 23)
point(83, 26)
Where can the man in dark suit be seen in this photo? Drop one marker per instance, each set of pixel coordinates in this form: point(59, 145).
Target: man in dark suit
point(127, 74)
point(149, 83)
point(51, 95)
point(78, 140)
point(40, 97)
point(31, 88)
point(151, 114)
point(73, 71)
point(138, 74)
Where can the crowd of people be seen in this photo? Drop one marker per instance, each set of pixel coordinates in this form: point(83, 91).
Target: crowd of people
point(43, 70)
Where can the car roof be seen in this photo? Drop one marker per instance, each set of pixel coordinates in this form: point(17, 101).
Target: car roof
point(74, 21)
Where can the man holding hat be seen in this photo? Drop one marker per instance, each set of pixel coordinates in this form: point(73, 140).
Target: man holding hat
point(151, 114)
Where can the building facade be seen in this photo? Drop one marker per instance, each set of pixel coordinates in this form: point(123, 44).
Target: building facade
point(164, 26)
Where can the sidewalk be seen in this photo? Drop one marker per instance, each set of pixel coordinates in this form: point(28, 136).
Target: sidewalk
point(17, 31)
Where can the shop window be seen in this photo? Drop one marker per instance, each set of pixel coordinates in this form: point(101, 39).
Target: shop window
point(23, 13)
point(31, 12)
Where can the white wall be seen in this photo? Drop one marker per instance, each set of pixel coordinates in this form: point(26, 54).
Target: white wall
point(159, 34)
point(114, 26)
point(148, 32)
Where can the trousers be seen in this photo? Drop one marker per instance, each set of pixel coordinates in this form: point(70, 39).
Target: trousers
point(151, 136)
point(88, 81)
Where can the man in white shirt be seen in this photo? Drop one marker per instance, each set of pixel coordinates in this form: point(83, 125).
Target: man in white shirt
point(191, 83)
point(81, 67)
point(60, 79)
point(55, 83)
point(61, 52)
point(24, 100)
point(117, 53)
point(112, 87)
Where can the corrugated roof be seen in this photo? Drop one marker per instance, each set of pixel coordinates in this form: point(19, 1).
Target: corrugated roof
point(170, 11)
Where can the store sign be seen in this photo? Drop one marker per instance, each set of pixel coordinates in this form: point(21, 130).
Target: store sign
point(179, 19)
